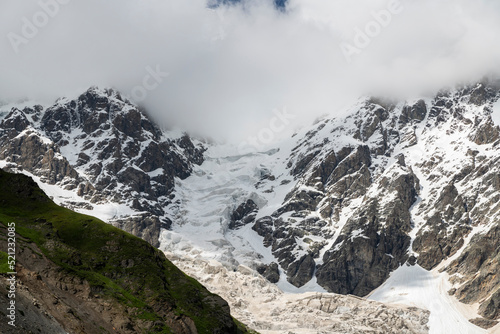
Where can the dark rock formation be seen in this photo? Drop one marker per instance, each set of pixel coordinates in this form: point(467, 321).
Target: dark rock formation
point(270, 272)
point(107, 149)
point(416, 112)
point(355, 183)
point(373, 242)
point(243, 215)
point(301, 271)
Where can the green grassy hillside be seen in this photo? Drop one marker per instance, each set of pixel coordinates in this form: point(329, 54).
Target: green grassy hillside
point(118, 266)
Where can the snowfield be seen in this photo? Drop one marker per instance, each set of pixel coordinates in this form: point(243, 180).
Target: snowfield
point(415, 286)
point(205, 200)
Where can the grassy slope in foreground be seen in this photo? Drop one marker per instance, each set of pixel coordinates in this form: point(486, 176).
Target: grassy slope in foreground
point(121, 268)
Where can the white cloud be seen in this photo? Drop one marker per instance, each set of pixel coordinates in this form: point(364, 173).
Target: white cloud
point(230, 67)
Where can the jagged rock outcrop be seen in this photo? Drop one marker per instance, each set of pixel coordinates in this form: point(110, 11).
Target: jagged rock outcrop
point(145, 226)
point(24, 147)
point(374, 241)
point(415, 112)
point(395, 182)
point(106, 149)
point(476, 272)
point(270, 272)
point(301, 271)
point(244, 214)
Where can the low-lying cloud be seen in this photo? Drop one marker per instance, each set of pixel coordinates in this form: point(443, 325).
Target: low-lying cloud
point(223, 72)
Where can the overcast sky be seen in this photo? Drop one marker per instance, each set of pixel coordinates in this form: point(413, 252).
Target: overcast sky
point(230, 67)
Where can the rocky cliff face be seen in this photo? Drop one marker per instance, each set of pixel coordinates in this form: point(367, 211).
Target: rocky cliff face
point(391, 183)
point(106, 150)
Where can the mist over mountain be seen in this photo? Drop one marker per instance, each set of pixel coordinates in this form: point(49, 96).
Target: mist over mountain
point(222, 71)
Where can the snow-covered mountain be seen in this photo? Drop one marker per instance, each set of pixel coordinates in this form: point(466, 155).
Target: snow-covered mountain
point(107, 155)
point(352, 205)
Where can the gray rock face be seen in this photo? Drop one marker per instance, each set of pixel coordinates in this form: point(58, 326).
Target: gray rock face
point(434, 244)
point(243, 215)
point(270, 272)
point(31, 152)
point(264, 227)
point(394, 183)
point(301, 271)
point(478, 267)
point(484, 323)
point(144, 226)
point(416, 112)
point(373, 242)
point(107, 149)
